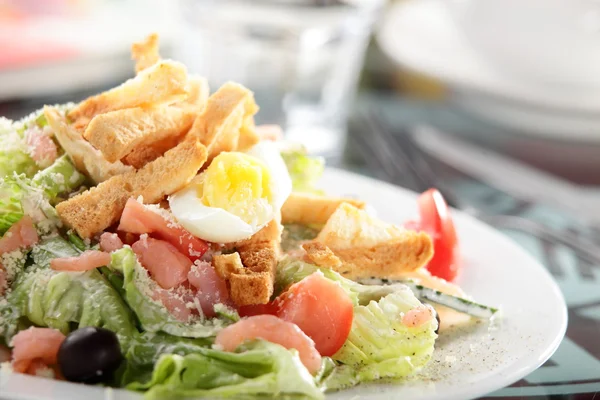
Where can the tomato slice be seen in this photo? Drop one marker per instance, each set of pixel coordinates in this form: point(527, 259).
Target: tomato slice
point(437, 222)
point(321, 308)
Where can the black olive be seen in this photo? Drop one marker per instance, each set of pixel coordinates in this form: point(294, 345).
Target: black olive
point(89, 355)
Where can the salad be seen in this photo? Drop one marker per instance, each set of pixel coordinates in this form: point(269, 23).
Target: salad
point(153, 238)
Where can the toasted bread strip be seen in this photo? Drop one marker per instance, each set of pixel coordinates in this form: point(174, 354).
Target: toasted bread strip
point(196, 100)
point(198, 93)
point(117, 133)
point(321, 255)
point(145, 53)
point(227, 115)
point(162, 83)
point(369, 247)
point(98, 208)
point(85, 157)
point(145, 154)
point(308, 208)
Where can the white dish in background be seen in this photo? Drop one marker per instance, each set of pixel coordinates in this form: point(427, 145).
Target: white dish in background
point(496, 271)
point(424, 36)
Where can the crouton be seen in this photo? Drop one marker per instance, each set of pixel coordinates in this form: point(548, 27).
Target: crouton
point(162, 83)
point(321, 255)
point(226, 264)
point(227, 117)
point(85, 157)
point(369, 247)
point(145, 53)
point(312, 209)
point(250, 288)
point(252, 264)
point(100, 207)
point(117, 133)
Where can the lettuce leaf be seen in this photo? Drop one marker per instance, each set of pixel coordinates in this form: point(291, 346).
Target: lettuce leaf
point(60, 177)
point(304, 170)
point(146, 349)
point(152, 315)
point(68, 300)
point(256, 369)
point(14, 156)
point(379, 345)
point(21, 195)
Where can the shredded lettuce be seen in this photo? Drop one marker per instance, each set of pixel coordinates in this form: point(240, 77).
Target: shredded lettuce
point(256, 369)
point(68, 300)
point(304, 170)
point(153, 316)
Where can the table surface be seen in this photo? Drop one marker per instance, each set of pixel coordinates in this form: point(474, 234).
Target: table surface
point(574, 370)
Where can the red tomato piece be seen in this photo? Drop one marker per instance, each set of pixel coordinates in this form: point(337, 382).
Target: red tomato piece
point(86, 261)
point(437, 222)
point(20, 234)
point(274, 330)
point(41, 147)
point(35, 344)
point(212, 289)
point(139, 219)
point(258, 309)
point(167, 266)
point(321, 308)
point(110, 242)
point(175, 301)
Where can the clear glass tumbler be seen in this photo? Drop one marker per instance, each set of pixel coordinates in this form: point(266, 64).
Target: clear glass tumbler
point(302, 58)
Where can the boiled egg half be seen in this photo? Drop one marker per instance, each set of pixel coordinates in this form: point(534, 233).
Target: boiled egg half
point(236, 196)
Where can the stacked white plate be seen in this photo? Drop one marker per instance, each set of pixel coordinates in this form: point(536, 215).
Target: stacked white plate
point(529, 65)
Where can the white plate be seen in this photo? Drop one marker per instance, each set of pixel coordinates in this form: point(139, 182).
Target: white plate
point(496, 271)
point(424, 36)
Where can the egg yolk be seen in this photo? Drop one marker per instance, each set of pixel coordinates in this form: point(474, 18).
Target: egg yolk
point(240, 184)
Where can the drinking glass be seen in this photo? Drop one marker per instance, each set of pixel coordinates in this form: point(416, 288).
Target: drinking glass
point(301, 58)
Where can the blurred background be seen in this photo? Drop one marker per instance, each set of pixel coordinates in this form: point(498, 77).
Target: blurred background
point(495, 102)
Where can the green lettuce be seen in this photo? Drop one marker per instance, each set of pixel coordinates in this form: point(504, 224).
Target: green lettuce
point(60, 177)
point(304, 170)
point(256, 369)
point(146, 349)
point(68, 300)
point(21, 195)
point(152, 315)
point(379, 345)
point(14, 156)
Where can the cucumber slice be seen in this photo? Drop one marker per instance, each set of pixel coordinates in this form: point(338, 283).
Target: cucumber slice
point(459, 304)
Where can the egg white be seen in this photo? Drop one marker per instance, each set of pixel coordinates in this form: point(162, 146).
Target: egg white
point(218, 225)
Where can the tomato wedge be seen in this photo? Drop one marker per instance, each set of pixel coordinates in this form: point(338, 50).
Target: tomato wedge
point(139, 219)
point(437, 222)
point(321, 308)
